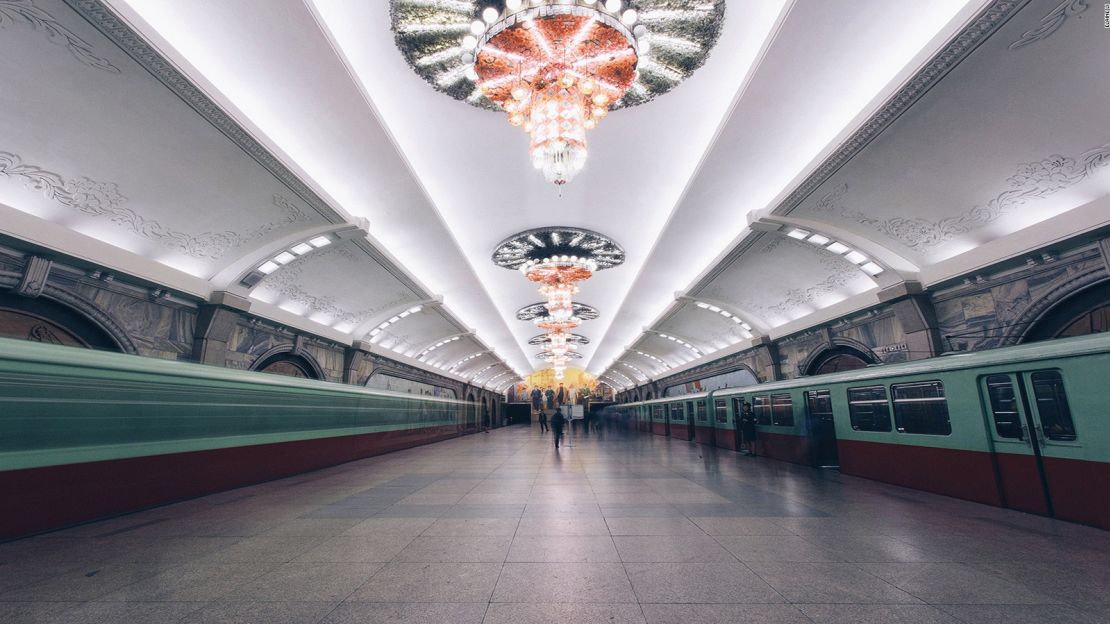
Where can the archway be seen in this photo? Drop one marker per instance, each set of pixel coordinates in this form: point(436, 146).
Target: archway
point(288, 364)
point(47, 321)
point(837, 359)
point(1085, 312)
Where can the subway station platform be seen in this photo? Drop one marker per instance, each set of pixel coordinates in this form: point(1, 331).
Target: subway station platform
point(621, 528)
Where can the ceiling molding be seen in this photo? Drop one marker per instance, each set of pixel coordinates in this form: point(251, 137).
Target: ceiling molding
point(952, 54)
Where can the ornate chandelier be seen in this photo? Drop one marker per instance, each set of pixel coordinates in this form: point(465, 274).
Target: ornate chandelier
point(556, 66)
point(558, 259)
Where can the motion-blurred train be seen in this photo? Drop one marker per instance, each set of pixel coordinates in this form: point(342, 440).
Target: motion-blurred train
point(1025, 427)
point(87, 434)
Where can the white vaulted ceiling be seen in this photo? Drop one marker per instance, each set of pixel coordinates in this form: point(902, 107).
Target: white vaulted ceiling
point(929, 137)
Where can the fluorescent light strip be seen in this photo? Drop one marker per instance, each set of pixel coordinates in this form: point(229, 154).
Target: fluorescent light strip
point(292, 253)
point(377, 330)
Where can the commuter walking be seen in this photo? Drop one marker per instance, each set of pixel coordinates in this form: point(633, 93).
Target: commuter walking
point(557, 424)
point(747, 429)
point(543, 421)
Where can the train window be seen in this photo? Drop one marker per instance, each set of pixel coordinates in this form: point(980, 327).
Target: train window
point(761, 407)
point(782, 410)
point(1007, 420)
point(868, 409)
point(702, 416)
point(921, 407)
point(1052, 406)
point(657, 412)
point(721, 407)
point(676, 412)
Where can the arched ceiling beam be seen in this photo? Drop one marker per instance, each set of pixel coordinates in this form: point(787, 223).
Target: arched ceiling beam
point(374, 321)
point(439, 342)
point(229, 277)
point(697, 349)
point(896, 268)
point(758, 327)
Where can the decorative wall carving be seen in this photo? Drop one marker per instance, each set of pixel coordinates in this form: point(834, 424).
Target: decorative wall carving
point(1051, 22)
point(103, 199)
point(35, 274)
point(1030, 181)
point(24, 11)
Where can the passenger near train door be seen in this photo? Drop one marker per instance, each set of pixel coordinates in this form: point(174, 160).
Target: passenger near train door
point(822, 428)
point(1031, 431)
point(691, 434)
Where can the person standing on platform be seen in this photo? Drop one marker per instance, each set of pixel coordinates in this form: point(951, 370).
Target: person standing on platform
point(747, 429)
point(557, 424)
point(561, 396)
point(543, 421)
point(550, 394)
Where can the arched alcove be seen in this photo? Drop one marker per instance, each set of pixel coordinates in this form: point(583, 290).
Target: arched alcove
point(1084, 312)
point(837, 358)
point(45, 320)
point(288, 363)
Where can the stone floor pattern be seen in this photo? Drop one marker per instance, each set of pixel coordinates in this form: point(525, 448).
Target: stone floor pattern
point(499, 528)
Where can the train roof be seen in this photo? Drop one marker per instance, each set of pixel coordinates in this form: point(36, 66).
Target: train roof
point(39, 353)
point(1047, 350)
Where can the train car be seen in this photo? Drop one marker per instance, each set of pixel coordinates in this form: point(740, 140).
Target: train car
point(87, 434)
point(1025, 427)
point(792, 423)
point(684, 415)
point(726, 431)
point(657, 412)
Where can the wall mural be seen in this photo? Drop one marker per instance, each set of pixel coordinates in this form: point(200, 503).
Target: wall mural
point(381, 381)
point(578, 386)
point(735, 379)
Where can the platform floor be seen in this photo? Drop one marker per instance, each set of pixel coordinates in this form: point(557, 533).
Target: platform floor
point(499, 528)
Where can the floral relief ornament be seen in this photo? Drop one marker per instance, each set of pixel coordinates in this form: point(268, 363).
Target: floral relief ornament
point(1031, 181)
point(24, 11)
point(103, 199)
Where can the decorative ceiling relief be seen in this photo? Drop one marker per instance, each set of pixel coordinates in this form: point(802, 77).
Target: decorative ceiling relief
point(25, 12)
point(287, 286)
point(103, 199)
point(1051, 22)
point(1031, 181)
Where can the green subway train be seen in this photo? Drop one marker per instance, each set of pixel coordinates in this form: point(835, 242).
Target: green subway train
point(1024, 427)
point(87, 434)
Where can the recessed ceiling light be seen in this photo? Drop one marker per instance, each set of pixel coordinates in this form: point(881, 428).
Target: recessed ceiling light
point(871, 268)
point(320, 241)
point(302, 249)
point(855, 257)
point(818, 239)
point(798, 234)
point(268, 267)
point(838, 248)
point(284, 258)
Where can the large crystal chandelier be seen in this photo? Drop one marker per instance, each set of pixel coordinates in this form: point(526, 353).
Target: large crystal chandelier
point(558, 259)
point(555, 67)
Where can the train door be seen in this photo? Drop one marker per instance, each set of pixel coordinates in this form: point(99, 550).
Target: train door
point(1033, 437)
point(667, 409)
point(1017, 447)
point(822, 429)
point(720, 423)
point(691, 434)
point(737, 413)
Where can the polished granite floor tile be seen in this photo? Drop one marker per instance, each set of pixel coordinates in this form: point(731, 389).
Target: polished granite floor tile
point(624, 529)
